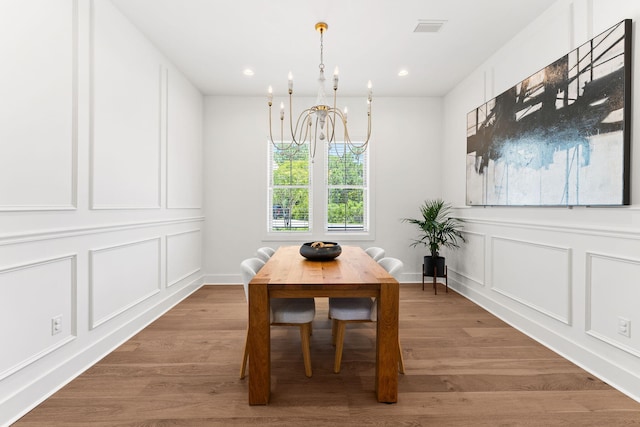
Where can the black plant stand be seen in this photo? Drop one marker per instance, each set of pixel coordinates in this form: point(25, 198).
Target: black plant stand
point(435, 278)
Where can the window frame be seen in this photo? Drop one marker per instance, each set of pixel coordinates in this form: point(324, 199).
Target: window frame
point(328, 187)
point(271, 187)
point(318, 205)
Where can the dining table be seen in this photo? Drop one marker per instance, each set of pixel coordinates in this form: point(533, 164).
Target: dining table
point(287, 274)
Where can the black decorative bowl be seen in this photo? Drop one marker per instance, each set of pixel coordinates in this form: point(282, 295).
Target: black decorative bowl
point(320, 251)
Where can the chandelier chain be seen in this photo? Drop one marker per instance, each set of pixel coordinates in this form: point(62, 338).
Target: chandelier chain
point(321, 51)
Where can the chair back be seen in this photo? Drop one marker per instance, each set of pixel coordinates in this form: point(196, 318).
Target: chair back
point(249, 268)
point(375, 252)
point(393, 266)
point(265, 253)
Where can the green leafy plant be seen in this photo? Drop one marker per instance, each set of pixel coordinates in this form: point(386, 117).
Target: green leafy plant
point(437, 227)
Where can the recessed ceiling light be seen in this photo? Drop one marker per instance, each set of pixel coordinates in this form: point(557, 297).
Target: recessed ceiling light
point(248, 72)
point(403, 73)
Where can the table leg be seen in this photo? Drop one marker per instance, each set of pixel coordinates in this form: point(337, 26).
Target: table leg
point(387, 343)
point(259, 345)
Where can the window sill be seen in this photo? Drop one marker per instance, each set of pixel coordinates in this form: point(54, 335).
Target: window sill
point(325, 237)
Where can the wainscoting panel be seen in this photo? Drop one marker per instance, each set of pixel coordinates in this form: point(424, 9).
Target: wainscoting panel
point(31, 296)
point(536, 275)
point(184, 143)
point(122, 276)
point(125, 112)
point(38, 103)
point(184, 255)
point(470, 258)
point(611, 281)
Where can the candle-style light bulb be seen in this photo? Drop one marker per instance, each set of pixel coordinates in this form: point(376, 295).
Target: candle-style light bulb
point(345, 114)
point(290, 82)
point(270, 95)
point(335, 79)
point(282, 111)
point(369, 91)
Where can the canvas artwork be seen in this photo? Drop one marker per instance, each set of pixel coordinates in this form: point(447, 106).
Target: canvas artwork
point(560, 137)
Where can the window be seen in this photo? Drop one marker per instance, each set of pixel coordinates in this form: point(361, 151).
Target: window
point(289, 187)
point(342, 188)
point(347, 189)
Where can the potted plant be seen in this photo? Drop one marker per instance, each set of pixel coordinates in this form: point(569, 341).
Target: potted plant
point(438, 229)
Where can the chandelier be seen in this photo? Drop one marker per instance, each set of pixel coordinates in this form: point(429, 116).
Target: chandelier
point(320, 121)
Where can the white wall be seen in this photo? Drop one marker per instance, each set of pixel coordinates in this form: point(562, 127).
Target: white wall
point(100, 191)
point(562, 275)
point(101, 173)
point(405, 168)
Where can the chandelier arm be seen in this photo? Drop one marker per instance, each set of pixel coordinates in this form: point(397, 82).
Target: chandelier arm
point(275, 144)
point(336, 110)
point(270, 132)
point(356, 149)
point(293, 134)
point(301, 127)
point(360, 147)
point(331, 128)
point(304, 134)
point(280, 146)
point(292, 130)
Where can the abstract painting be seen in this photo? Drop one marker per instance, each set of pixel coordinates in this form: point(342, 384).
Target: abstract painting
point(560, 137)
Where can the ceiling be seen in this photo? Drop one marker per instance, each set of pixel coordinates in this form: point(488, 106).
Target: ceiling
point(214, 41)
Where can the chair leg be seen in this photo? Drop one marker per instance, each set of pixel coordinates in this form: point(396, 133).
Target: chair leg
point(245, 357)
point(305, 331)
point(339, 339)
point(400, 358)
point(334, 328)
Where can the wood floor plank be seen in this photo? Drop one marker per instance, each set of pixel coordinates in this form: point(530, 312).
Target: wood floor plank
point(464, 367)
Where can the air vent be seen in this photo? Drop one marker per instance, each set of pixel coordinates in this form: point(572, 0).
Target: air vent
point(428, 26)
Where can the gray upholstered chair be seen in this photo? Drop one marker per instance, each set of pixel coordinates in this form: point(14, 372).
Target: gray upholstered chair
point(265, 252)
point(350, 310)
point(284, 312)
point(375, 252)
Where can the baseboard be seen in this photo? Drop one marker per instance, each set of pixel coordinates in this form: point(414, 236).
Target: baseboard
point(53, 378)
point(616, 376)
point(222, 279)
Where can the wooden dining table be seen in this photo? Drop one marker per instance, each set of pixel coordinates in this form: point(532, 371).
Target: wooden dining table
point(288, 274)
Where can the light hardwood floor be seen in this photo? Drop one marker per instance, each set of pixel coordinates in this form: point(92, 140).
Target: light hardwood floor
point(464, 367)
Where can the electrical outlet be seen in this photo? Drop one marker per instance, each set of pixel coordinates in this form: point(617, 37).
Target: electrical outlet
point(56, 324)
point(624, 327)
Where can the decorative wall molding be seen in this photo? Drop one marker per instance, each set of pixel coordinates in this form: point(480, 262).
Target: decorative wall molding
point(464, 260)
point(120, 282)
point(47, 382)
point(170, 256)
point(69, 316)
point(576, 352)
point(606, 300)
point(33, 168)
point(537, 275)
point(183, 124)
point(61, 233)
point(39, 208)
point(145, 128)
point(590, 230)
